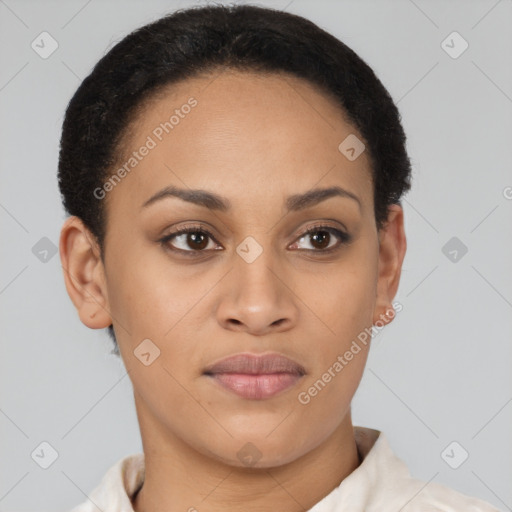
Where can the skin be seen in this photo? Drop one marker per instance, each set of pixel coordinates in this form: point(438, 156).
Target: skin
point(255, 140)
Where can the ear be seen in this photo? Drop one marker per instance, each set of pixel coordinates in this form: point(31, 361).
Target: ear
point(392, 247)
point(84, 274)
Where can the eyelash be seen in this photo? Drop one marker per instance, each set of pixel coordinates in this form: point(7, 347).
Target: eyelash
point(344, 238)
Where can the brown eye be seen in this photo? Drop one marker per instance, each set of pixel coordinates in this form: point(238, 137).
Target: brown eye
point(320, 238)
point(188, 240)
point(197, 240)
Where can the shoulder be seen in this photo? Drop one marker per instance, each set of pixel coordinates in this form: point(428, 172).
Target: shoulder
point(383, 483)
point(117, 486)
point(394, 482)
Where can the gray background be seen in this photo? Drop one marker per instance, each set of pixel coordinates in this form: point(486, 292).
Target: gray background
point(439, 373)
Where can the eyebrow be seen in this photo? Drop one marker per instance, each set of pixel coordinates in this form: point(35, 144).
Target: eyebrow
point(213, 201)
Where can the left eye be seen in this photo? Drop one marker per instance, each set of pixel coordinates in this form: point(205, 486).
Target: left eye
point(322, 236)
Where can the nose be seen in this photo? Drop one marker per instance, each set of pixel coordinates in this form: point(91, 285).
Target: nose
point(257, 299)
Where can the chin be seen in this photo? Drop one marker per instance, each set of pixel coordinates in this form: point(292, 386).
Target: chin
point(258, 450)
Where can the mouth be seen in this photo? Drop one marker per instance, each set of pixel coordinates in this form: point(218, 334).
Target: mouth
point(256, 377)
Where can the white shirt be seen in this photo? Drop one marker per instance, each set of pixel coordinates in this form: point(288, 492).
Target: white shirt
point(381, 483)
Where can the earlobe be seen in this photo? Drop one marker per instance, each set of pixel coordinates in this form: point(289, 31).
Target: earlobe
point(393, 246)
point(84, 274)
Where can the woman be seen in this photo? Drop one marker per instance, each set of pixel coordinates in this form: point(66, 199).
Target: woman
point(233, 177)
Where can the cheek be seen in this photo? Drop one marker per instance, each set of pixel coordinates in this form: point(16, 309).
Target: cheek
point(341, 299)
point(340, 353)
point(146, 296)
point(150, 298)
point(341, 305)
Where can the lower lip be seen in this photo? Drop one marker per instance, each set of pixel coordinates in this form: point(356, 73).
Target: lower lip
point(256, 387)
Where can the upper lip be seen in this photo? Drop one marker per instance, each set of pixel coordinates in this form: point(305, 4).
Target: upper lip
point(256, 364)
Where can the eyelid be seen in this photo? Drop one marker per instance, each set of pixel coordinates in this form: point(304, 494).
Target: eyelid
point(319, 226)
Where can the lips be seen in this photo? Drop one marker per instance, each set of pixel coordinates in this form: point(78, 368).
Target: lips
point(253, 364)
point(255, 376)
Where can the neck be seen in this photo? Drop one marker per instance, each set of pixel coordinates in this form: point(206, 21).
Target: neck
point(178, 477)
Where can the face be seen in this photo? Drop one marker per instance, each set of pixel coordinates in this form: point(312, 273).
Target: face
point(261, 269)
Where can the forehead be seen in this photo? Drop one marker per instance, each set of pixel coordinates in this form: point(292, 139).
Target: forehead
point(231, 130)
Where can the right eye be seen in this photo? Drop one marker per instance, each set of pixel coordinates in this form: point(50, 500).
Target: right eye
point(192, 239)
